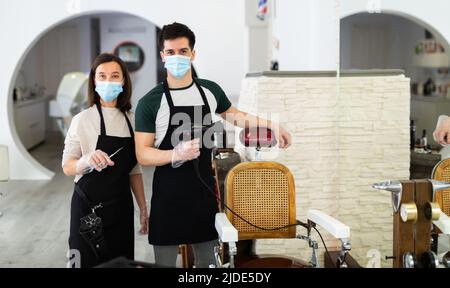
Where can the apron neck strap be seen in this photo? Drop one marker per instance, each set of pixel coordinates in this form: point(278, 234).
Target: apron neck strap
point(205, 101)
point(202, 93)
point(200, 89)
point(102, 122)
point(129, 124)
point(167, 93)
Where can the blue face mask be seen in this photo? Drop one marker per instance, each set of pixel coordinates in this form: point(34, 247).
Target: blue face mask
point(109, 91)
point(177, 65)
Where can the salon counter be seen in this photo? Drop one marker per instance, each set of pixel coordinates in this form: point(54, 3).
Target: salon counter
point(30, 119)
point(422, 164)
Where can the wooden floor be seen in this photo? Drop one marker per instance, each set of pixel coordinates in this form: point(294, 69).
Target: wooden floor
point(35, 224)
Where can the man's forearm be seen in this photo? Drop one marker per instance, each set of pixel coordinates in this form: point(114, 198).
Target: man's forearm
point(153, 157)
point(246, 120)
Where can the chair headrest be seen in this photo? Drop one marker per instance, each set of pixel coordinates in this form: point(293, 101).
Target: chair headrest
point(257, 137)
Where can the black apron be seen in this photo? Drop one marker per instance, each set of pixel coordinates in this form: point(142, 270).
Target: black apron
point(182, 209)
point(111, 187)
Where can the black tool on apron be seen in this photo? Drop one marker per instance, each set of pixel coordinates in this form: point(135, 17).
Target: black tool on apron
point(91, 228)
point(111, 188)
point(182, 210)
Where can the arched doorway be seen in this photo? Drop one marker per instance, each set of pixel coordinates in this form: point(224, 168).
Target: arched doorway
point(70, 46)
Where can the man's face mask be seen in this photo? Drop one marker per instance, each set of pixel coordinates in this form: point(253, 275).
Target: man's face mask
point(108, 91)
point(177, 65)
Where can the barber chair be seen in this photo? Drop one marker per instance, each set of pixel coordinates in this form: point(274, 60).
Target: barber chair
point(4, 168)
point(441, 172)
point(415, 211)
point(71, 98)
point(263, 193)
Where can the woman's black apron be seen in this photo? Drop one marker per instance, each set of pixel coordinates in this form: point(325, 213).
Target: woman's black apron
point(182, 209)
point(111, 187)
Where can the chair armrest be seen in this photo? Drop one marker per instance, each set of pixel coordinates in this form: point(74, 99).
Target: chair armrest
point(226, 231)
point(443, 223)
point(330, 224)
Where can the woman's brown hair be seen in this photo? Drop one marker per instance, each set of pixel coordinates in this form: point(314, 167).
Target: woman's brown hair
point(124, 98)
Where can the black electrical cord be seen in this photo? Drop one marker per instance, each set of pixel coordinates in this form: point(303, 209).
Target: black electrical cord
point(326, 249)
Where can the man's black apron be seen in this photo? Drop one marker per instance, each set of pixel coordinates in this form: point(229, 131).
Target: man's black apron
point(182, 209)
point(111, 187)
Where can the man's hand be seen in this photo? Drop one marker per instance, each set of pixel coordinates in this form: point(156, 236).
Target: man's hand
point(284, 138)
point(442, 132)
point(143, 219)
point(185, 151)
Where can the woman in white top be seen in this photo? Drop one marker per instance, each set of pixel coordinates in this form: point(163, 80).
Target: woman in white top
point(99, 151)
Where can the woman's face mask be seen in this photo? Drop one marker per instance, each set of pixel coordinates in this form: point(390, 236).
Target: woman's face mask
point(108, 91)
point(177, 65)
point(109, 80)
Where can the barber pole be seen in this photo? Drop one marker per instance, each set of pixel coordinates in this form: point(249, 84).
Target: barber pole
point(262, 10)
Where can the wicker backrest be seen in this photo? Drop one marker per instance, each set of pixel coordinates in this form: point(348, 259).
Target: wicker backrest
point(264, 194)
point(441, 172)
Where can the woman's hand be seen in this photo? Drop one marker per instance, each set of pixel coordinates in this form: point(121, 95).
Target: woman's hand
point(97, 160)
point(100, 160)
point(143, 218)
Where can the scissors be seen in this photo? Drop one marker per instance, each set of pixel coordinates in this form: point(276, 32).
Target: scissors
point(115, 152)
point(110, 156)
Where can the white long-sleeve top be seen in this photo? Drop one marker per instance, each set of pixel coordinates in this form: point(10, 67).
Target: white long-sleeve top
point(84, 129)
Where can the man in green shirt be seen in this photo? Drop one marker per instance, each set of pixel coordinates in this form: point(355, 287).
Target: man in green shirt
point(182, 209)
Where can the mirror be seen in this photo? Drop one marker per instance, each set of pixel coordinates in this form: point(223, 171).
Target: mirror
point(132, 54)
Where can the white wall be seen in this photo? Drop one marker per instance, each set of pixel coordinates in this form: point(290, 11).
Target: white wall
point(115, 29)
point(307, 34)
point(221, 47)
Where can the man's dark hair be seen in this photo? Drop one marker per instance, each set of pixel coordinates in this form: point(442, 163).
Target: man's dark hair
point(173, 31)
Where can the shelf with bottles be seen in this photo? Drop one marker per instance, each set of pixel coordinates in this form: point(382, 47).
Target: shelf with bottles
point(430, 54)
point(430, 91)
point(419, 145)
point(436, 87)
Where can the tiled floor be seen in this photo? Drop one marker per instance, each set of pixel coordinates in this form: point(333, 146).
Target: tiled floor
point(35, 224)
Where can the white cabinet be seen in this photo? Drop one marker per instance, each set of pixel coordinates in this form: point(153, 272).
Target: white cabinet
point(29, 116)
